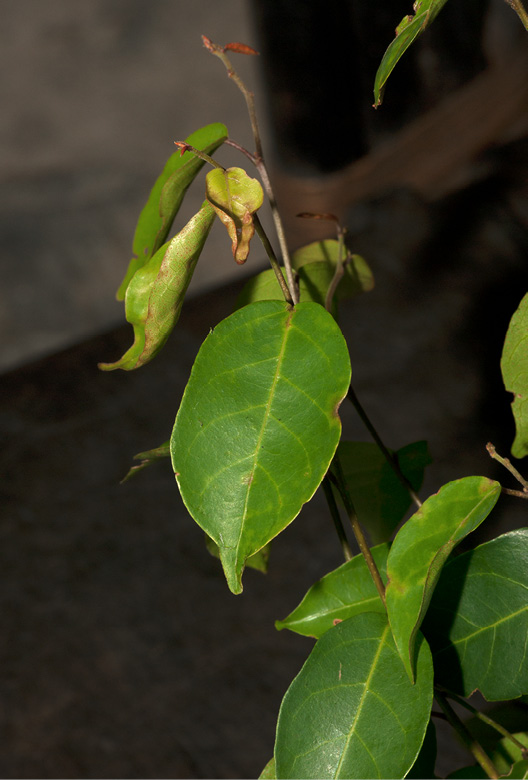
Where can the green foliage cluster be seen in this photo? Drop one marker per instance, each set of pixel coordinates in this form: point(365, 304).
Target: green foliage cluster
point(258, 431)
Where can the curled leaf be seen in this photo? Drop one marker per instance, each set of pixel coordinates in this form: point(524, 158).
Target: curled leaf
point(235, 197)
point(155, 294)
point(408, 30)
point(166, 197)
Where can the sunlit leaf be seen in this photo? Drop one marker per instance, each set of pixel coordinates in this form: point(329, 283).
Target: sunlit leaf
point(147, 458)
point(514, 366)
point(421, 548)
point(166, 197)
point(352, 712)
point(258, 561)
point(269, 773)
point(477, 623)
point(409, 29)
point(257, 426)
point(236, 197)
point(357, 277)
point(379, 498)
point(344, 592)
point(154, 296)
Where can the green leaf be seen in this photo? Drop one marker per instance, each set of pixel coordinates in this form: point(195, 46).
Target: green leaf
point(409, 29)
point(519, 771)
point(424, 766)
point(507, 753)
point(147, 458)
point(258, 561)
point(514, 366)
point(166, 198)
point(357, 278)
point(235, 197)
point(154, 297)
point(269, 773)
point(344, 592)
point(352, 712)
point(421, 548)
point(379, 498)
point(258, 424)
point(477, 623)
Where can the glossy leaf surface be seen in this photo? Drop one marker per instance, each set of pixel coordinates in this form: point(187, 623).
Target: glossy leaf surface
point(478, 620)
point(514, 366)
point(148, 458)
point(235, 197)
point(379, 498)
point(258, 424)
point(258, 561)
point(421, 548)
point(409, 29)
point(166, 198)
point(352, 712)
point(357, 278)
point(344, 592)
point(154, 296)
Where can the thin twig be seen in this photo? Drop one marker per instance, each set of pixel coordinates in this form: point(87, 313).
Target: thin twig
point(258, 160)
point(391, 460)
point(273, 260)
point(334, 511)
point(356, 528)
point(185, 147)
point(339, 269)
point(485, 719)
point(468, 739)
point(520, 11)
point(507, 465)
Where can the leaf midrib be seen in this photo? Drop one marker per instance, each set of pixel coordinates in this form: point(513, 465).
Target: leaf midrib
point(267, 411)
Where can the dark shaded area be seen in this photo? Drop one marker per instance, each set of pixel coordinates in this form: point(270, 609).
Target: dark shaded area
point(319, 60)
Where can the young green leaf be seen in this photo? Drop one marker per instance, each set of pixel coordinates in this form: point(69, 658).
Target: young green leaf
point(147, 459)
point(357, 277)
point(154, 297)
point(235, 197)
point(409, 29)
point(421, 548)
point(352, 712)
point(257, 426)
point(379, 498)
point(344, 592)
point(514, 366)
point(166, 198)
point(477, 623)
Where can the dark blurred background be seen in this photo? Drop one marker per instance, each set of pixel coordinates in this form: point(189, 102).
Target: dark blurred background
point(122, 652)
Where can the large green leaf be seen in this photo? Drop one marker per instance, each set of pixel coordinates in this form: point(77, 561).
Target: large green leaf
point(379, 498)
point(357, 277)
point(478, 620)
point(409, 29)
point(235, 197)
point(258, 424)
point(258, 561)
point(424, 766)
point(344, 592)
point(166, 197)
point(154, 296)
point(352, 712)
point(514, 366)
point(421, 548)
